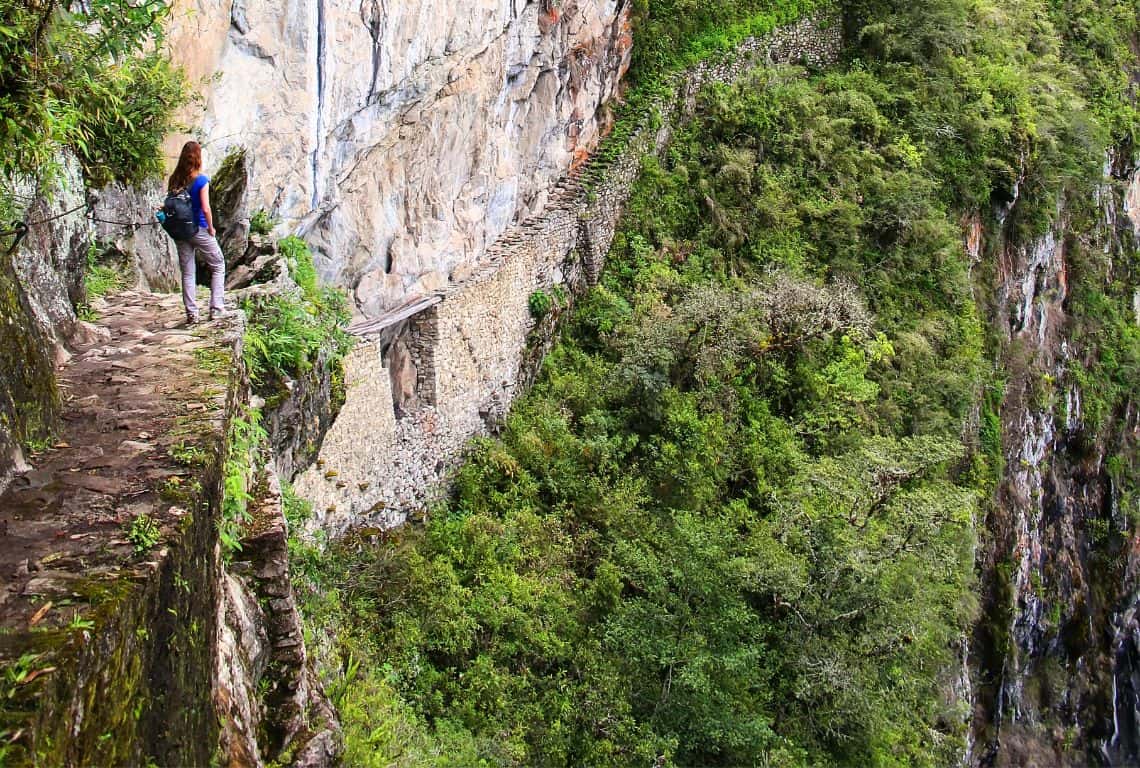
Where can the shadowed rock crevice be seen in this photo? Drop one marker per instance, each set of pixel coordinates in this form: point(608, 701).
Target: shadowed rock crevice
point(228, 202)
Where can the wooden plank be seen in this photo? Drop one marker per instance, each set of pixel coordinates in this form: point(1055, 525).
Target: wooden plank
point(369, 326)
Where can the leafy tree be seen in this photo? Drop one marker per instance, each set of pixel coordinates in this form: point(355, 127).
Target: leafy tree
point(89, 78)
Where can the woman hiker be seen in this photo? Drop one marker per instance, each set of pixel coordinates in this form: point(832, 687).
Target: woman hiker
point(188, 175)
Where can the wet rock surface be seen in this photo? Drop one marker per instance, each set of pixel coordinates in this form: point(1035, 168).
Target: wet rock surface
point(1054, 653)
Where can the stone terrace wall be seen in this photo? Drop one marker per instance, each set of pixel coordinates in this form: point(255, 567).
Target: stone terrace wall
point(468, 350)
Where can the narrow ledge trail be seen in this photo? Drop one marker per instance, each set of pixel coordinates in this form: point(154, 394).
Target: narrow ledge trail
point(144, 410)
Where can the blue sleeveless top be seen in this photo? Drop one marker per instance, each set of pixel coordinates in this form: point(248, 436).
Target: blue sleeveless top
point(200, 181)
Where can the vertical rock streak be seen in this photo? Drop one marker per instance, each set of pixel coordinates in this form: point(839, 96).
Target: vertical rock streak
point(1123, 745)
point(318, 132)
point(1064, 689)
point(374, 14)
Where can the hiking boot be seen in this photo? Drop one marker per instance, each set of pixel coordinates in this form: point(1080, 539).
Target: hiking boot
point(218, 314)
point(191, 320)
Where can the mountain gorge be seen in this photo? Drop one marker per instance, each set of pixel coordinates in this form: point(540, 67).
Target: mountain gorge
point(662, 382)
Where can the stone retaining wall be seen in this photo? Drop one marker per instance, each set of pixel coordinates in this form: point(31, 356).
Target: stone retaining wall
point(108, 563)
point(466, 353)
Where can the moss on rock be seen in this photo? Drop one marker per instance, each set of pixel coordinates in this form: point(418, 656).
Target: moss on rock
point(29, 398)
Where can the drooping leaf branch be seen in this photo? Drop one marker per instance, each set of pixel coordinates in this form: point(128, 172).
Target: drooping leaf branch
point(89, 78)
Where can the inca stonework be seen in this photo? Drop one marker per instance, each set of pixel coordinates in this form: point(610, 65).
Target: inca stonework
point(420, 387)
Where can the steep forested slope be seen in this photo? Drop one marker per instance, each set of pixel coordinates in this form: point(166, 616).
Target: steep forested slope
point(736, 521)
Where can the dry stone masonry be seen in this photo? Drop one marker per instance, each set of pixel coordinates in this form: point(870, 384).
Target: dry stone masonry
point(115, 623)
point(429, 376)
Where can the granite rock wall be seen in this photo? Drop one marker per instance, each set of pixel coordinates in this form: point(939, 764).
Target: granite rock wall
point(400, 139)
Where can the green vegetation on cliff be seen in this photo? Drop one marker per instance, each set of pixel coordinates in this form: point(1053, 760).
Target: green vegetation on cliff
point(677, 33)
point(87, 78)
point(734, 521)
point(288, 332)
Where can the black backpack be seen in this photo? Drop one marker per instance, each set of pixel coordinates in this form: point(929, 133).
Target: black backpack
point(179, 222)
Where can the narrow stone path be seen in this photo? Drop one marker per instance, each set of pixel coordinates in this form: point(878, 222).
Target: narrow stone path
point(143, 407)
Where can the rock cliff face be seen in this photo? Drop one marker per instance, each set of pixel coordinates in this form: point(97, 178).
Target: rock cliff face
point(402, 138)
point(1056, 650)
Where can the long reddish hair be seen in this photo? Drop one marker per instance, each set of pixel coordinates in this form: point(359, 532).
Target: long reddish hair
point(189, 163)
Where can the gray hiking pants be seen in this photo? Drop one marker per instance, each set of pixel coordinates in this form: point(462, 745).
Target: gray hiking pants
point(207, 245)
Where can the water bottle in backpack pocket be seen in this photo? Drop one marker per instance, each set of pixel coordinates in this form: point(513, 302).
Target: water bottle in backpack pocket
point(179, 221)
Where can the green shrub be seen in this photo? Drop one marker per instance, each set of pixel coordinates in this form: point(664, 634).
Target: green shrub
point(282, 338)
point(669, 34)
point(299, 260)
point(261, 222)
point(89, 79)
point(540, 304)
point(245, 443)
point(297, 510)
point(286, 335)
point(143, 532)
point(98, 281)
